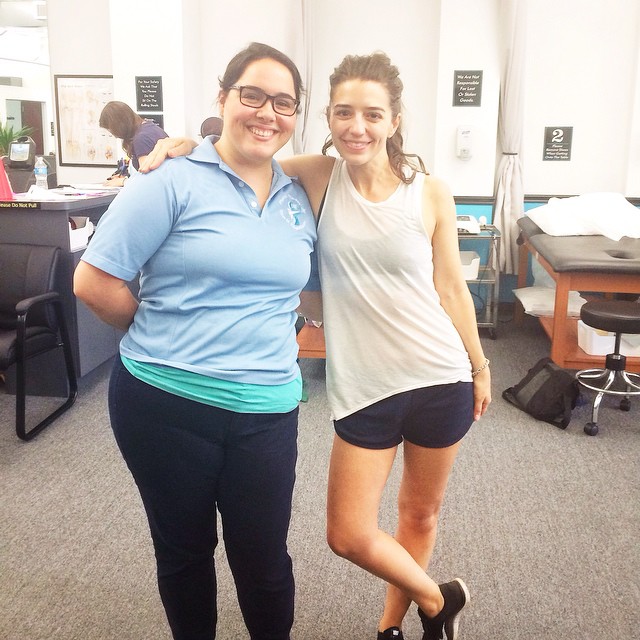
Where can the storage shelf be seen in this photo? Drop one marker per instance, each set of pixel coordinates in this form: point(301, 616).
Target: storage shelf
point(486, 285)
point(486, 275)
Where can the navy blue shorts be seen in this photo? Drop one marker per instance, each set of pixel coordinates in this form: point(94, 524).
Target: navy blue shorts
point(433, 417)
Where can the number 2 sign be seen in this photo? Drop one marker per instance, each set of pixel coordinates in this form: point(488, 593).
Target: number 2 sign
point(557, 143)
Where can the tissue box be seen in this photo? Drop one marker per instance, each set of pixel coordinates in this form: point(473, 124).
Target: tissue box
point(79, 237)
point(596, 342)
point(470, 264)
point(630, 345)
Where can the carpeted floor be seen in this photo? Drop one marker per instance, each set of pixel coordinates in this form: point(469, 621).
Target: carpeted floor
point(541, 523)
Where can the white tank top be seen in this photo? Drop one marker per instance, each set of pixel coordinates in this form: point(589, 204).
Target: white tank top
point(385, 329)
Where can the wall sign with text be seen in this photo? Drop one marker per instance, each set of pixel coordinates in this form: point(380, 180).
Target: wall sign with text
point(149, 93)
point(467, 88)
point(158, 118)
point(557, 144)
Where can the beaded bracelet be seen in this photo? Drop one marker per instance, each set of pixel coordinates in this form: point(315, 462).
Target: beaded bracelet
point(484, 365)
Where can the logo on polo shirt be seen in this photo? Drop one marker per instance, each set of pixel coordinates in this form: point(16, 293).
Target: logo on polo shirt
point(293, 212)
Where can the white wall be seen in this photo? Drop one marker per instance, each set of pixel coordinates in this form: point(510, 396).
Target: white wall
point(152, 42)
point(633, 163)
point(79, 44)
point(582, 71)
point(342, 28)
point(412, 39)
point(469, 41)
point(225, 29)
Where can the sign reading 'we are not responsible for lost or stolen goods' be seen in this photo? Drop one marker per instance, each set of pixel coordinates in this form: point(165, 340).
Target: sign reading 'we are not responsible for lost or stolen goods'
point(467, 88)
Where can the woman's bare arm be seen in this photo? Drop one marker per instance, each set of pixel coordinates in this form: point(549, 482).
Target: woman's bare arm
point(311, 305)
point(107, 296)
point(314, 172)
point(455, 298)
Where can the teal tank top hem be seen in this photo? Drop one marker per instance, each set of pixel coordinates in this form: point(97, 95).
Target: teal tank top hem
point(240, 397)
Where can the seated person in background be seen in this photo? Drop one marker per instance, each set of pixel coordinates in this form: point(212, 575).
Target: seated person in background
point(138, 135)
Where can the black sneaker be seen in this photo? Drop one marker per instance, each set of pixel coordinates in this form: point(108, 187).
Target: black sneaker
point(445, 625)
point(392, 633)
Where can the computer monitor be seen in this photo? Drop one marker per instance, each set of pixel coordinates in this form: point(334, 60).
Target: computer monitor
point(22, 153)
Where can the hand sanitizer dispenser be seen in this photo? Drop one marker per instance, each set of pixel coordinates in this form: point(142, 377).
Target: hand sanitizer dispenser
point(463, 143)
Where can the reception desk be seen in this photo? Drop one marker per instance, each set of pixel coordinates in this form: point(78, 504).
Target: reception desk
point(47, 223)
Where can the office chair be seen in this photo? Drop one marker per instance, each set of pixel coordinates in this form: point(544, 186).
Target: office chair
point(211, 126)
point(32, 322)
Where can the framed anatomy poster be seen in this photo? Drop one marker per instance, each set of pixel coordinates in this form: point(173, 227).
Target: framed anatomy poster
point(79, 102)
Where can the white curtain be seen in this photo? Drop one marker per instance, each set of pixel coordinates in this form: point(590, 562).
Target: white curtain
point(304, 60)
point(509, 191)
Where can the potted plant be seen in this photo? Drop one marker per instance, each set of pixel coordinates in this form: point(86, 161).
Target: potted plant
point(8, 135)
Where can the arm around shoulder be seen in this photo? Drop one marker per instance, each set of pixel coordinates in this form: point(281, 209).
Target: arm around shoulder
point(314, 172)
point(166, 148)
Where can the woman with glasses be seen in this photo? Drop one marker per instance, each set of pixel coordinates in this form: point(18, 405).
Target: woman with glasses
point(204, 396)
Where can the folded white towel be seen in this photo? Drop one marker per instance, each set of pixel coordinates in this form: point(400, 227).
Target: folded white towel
point(592, 214)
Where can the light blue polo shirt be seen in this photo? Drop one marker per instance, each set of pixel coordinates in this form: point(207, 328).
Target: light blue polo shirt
point(219, 278)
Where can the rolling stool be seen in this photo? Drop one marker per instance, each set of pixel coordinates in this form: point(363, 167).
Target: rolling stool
point(617, 316)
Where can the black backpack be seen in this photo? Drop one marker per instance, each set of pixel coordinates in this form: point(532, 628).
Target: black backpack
point(548, 392)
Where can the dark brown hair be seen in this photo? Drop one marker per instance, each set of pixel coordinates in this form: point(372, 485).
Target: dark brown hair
point(377, 67)
point(121, 121)
point(258, 51)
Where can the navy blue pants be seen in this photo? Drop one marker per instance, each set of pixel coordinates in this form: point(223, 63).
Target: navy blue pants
point(191, 461)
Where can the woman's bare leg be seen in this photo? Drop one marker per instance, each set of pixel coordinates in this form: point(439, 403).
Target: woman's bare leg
point(357, 478)
point(424, 482)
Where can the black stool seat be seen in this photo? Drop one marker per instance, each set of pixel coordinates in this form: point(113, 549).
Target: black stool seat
point(617, 316)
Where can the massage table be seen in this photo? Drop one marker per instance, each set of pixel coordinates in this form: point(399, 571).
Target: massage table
point(577, 263)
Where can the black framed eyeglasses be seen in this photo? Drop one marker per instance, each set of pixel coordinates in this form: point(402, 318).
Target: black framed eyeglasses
point(255, 97)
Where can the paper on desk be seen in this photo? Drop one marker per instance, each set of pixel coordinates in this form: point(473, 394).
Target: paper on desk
point(93, 188)
point(38, 194)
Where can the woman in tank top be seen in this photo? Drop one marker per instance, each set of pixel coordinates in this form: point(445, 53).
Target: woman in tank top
point(404, 359)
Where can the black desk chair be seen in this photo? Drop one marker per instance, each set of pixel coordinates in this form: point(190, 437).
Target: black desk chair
point(617, 316)
point(32, 322)
point(211, 126)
